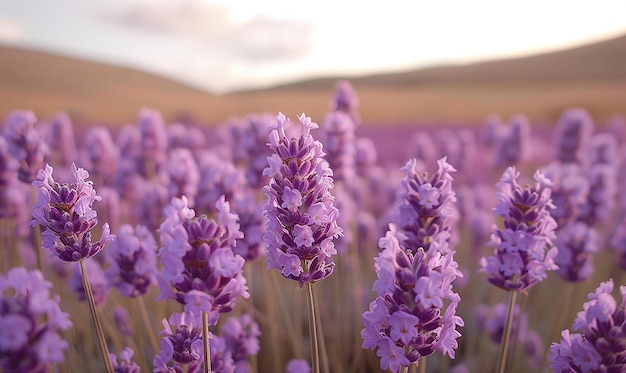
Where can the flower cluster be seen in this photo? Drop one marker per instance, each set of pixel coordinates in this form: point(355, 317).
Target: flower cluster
point(576, 243)
point(66, 213)
point(522, 252)
point(133, 261)
point(427, 206)
point(182, 347)
point(200, 269)
point(414, 313)
point(123, 362)
point(572, 134)
point(26, 144)
point(600, 344)
point(30, 321)
point(302, 218)
point(241, 335)
point(338, 140)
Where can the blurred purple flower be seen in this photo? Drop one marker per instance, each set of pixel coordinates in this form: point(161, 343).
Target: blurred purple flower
point(200, 269)
point(133, 261)
point(65, 213)
point(414, 313)
point(576, 243)
point(182, 347)
point(337, 137)
point(97, 280)
point(513, 144)
point(122, 321)
point(30, 322)
point(183, 174)
point(570, 189)
point(217, 177)
point(123, 362)
point(59, 135)
point(101, 155)
point(241, 335)
point(365, 155)
point(601, 197)
point(346, 100)
point(523, 251)
point(299, 194)
point(297, 366)
point(600, 344)
point(571, 135)
point(26, 144)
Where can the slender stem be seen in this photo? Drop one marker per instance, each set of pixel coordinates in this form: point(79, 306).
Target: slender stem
point(95, 319)
point(404, 369)
point(37, 246)
point(422, 365)
point(147, 326)
point(205, 338)
point(506, 334)
point(315, 363)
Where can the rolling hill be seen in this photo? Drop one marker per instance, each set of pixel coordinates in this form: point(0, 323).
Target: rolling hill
point(541, 86)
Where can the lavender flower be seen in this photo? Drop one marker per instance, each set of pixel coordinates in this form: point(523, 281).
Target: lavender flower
point(59, 135)
point(302, 218)
point(241, 335)
point(200, 269)
point(153, 141)
point(618, 241)
point(182, 347)
point(513, 144)
point(133, 261)
point(423, 147)
point(122, 321)
point(414, 313)
point(338, 141)
point(346, 100)
point(576, 243)
point(600, 342)
point(101, 155)
point(30, 322)
point(572, 135)
point(427, 206)
point(298, 366)
point(252, 224)
point(601, 196)
point(183, 174)
point(97, 280)
point(217, 177)
point(123, 362)
point(522, 253)
point(25, 142)
point(365, 155)
point(569, 191)
point(66, 213)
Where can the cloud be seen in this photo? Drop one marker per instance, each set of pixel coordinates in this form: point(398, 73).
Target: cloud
point(10, 31)
point(259, 39)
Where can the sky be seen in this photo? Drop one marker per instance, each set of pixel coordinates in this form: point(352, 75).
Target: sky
point(227, 45)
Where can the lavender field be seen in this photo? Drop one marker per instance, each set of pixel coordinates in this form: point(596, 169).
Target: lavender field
point(283, 243)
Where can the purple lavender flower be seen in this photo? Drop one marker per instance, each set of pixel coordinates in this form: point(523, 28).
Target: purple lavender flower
point(101, 155)
point(182, 347)
point(338, 141)
point(346, 100)
point(182, 136)
point(97, 280)
point(523, 251)
point(423, 148)
point(123, 362)
point(154, 198)
point(365, 155)
point(66, 214)
point(414, 313)
point(618, 241)
point(572, 134)
point(217, 177)
point(30, 322)
point(600, 342)
point(133, 261)
point(183, 174)
point(298, 366)
point(25, 142)
point(59, 135)
point(153, 141)
point(241, 335)
point(200, 269)
point(302, 217)
point(427, 206)
point(570, 189)
point(601, 196)
point(576, 243)
point(246, 141)
point(252, 224)
point(513, 144)
point(122, 321)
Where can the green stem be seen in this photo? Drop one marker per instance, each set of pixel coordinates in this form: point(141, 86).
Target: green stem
point(315, 363)
point(506, 334)
point(104, 350)
point(207, 346)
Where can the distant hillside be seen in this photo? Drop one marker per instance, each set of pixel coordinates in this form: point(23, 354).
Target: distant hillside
point(591, 76)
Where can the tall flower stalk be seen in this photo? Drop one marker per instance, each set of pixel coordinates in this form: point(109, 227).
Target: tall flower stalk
point(65, 213)
point(523, 251)
point(302, 218)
